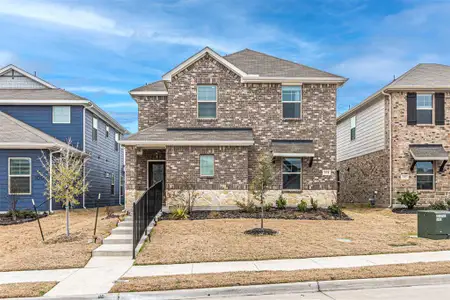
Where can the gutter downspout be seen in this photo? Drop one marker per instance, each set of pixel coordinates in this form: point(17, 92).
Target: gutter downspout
point(84, 150)
point(390, 147)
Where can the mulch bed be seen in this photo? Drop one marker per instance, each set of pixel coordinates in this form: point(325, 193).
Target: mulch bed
point(406, 211)
point(7, 219)
point(286, 214)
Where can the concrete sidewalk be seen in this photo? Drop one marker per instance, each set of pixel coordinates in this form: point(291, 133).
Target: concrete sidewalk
point(288, 264)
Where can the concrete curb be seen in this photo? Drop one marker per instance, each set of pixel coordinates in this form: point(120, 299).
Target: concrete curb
point(272, 289)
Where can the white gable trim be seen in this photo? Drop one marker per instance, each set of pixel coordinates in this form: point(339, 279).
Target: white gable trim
point(26, 74)
point(196, 57)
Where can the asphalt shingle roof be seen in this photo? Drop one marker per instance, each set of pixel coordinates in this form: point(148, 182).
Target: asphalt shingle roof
point(428, 152)
point(37, 94)
point(257, 63)
point(157, 86)
point(424, 75)
point(17, 132)
point(160, 132)
point(293, 147)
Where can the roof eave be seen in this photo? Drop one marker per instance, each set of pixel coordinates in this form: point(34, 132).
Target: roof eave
point(263, 79)
point(149, 93)
point(185, 143)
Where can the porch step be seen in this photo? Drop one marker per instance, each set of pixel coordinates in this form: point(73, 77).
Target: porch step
point(119, 239)
point(113, 250)
point(129, 218)
point(122, 230)
point(126, 224)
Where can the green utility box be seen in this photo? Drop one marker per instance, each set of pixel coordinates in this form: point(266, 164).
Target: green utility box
point(433, 224)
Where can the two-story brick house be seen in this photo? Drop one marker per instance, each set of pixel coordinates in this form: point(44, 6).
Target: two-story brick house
point(37, 118)
point(397, 140)
point(208, 119)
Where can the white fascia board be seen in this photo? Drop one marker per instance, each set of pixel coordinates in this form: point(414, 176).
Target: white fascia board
point(27, 146)
point(294, 80)
point(149, 93)
point(196, 57)
point(186, 143)
point(293, 154)
point(43, 102)
point(26, 74)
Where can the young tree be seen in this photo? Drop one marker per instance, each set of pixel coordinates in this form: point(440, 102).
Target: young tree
point(187, 195)
point(65, 178)
point(13, 200)
point(263, 180)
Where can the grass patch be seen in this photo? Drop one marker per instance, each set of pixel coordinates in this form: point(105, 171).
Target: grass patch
point(22, 243)
point(158, 283)
point(25, 289)
point(372, 231)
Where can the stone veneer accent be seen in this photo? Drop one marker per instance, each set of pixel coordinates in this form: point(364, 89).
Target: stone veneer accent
point(360, 177)
point(151, 110)
point(403, 136)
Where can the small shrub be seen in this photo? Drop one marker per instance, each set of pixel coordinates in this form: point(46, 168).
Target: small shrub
point(247, 206)
point(22, 214)
point(302, 206)
point(214, 215)
point(179, 213)
point(448, 203)
point(281, 202)
point(409, 199)
point(314, 204)
point(438, 205)
point(267, 206)
point(334, 209)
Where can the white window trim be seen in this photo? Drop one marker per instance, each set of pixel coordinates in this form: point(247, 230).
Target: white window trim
point(300, 173)
point(9, 176)
point(213, 165)
point(426, 108)
point(113, 183)
point(300, 101)
point(425, 174)
point(352, 127)
point(107, 131)
point(53, 114)
point(206, 101)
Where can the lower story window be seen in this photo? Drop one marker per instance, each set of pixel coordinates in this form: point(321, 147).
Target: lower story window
point(206, 165)
point(113, 184)
point(19, 176)
point(122, 185)
point(292, 170)
point(425, 175)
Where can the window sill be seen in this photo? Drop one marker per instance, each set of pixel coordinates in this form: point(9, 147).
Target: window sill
point(206, 176)
point(291, 191)
point(292, 119)
point(427, 125)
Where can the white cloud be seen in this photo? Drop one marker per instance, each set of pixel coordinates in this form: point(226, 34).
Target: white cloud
point(98, 89)
point(77, 17)
point(121, 104)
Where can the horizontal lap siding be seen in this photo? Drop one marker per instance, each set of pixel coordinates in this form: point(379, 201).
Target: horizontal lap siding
point(40, 117)
point(103, 159)
point(370, 132)
point(37, 182)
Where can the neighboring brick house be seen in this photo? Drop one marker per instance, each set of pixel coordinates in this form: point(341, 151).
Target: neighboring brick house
point(397, 140)
point(210, 117)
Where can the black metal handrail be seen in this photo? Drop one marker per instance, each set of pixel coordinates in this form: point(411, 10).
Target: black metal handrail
point(144, 211)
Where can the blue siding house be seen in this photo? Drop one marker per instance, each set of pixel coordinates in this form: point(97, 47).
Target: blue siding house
point(37, 119)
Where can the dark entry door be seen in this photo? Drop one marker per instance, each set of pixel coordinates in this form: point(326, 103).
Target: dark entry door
point(156, 172)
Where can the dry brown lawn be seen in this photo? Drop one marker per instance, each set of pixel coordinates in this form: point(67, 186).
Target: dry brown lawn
point(372, 231)
point(141, 284)
point(27, 289)
point(22, 247)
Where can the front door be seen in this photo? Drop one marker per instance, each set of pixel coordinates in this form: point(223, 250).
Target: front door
point(155, 172)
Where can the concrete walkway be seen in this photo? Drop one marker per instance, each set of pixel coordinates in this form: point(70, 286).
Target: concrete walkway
point(288, 264)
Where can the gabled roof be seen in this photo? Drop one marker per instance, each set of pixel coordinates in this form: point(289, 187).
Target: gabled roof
point(157, 88)
point(422, 77)
point(26, 74)
point(264, 65)
point(38, 94)
point(16, 134)
point(160, 135)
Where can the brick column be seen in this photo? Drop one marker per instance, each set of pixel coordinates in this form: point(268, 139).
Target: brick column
point(130, 169)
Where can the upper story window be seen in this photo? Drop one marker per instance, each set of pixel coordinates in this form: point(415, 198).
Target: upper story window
point(61, 114)
point(424, 109)
point(207, 101)
point(207, 165)
point(292, 100)
point(94, 128)
point(425, 175)
point(353, 128)
point(107, 131)
point(113, 184)
point(19, 175)
point(116, 138)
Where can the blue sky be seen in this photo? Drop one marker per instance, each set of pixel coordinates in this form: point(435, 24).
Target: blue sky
point(101, 49)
